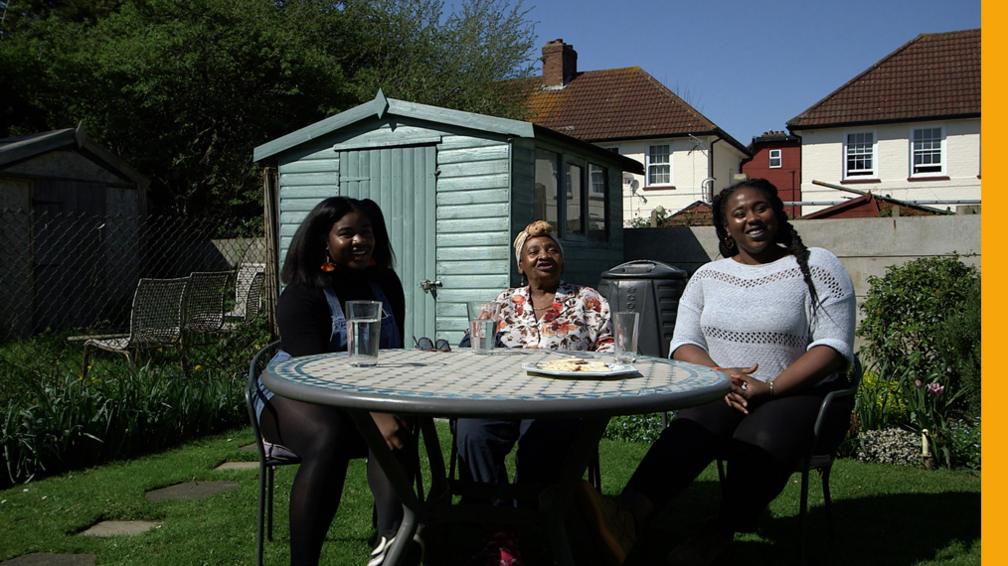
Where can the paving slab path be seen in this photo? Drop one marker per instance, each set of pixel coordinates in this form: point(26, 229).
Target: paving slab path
point(119, 528)
point(190, 490)
point(50, 559)
point(238, 466)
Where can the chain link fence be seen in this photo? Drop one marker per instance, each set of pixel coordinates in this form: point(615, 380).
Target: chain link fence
point(67, 271)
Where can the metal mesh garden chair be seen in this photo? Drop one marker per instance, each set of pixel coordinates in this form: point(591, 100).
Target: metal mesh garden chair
point(204, 301)
point(245, 279)
point(155, 320)
point(251, 303)
point(837, 404)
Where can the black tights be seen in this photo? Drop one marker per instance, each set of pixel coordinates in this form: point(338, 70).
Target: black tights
point(326, 439)
point(761, 449)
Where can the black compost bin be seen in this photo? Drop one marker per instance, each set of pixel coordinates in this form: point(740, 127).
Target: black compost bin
point(652, 289)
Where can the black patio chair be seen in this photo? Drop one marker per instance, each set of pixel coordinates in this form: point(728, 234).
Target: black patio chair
point(820, 457)
point(268, 460)
point(276, 455)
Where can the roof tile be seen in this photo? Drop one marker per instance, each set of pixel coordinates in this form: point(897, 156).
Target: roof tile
point(613, 104)
point(933, 75)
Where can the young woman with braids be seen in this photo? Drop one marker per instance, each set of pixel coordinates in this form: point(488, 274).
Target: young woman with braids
point(778, 317)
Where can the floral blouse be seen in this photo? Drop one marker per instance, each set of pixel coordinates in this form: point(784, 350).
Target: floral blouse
point(578, 319)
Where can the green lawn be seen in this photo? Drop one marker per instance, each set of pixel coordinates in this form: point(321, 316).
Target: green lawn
point(885, 515)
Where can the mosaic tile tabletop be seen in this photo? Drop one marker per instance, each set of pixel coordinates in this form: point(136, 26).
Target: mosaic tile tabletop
point(461, 383)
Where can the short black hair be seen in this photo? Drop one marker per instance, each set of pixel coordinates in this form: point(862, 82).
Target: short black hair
point(307, 251)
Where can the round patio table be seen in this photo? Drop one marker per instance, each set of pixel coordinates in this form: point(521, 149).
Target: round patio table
point(499, 385)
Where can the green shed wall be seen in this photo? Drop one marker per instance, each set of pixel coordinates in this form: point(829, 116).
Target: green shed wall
point(585, 260)
point(472, 204)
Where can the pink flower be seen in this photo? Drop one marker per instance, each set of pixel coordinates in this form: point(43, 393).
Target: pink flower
point(935, 388)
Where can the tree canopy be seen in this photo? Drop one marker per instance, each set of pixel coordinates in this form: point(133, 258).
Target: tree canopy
point(184, 90)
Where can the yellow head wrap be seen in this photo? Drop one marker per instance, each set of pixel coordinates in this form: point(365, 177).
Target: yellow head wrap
point(535, 229)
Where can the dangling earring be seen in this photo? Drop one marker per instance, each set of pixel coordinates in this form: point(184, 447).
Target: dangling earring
point(729, 243)
point(328, 266)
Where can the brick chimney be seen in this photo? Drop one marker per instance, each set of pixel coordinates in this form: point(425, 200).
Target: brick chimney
point(559, 63)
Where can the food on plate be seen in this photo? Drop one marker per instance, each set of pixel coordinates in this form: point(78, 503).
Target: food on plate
point(573, 365)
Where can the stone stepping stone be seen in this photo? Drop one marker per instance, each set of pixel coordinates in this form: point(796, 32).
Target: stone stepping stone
point(190, 490)
point(49, 559)
point(250, 448)
point(119, 528)
point(238, 466)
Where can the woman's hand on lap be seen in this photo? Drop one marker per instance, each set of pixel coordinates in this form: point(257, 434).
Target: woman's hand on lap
point(744, 388)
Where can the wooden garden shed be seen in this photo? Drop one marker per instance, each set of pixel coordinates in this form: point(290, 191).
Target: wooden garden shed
point(455, 187)
point(70, 212)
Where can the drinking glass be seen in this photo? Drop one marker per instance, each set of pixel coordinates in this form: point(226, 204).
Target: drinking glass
point(363, 332)
point(482, 325)
point(625, 336)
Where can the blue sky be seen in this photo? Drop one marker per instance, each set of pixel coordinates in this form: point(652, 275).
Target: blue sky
point(748, 66)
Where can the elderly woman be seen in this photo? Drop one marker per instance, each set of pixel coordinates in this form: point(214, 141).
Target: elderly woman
point(778, 317)
point(547, 313)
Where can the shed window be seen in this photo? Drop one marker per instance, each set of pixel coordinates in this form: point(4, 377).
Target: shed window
point(573, 219)
point(545, 204)
point(598, 219)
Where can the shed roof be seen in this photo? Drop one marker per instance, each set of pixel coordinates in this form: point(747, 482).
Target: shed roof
point(935, 75)
point(870, 205)
point(17, 149)
point(617, 104)
point(381, 106)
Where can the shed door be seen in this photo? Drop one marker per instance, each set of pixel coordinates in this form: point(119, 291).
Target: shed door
point(402, 181)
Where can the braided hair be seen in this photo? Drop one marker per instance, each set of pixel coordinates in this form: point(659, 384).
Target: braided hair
point(787, 237)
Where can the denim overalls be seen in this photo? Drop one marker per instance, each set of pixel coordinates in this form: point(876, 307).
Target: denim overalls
point(390, 337)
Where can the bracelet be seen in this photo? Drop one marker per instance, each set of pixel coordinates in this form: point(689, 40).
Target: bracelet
point(770, 383)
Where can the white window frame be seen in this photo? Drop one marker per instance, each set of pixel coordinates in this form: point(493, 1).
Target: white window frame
point(779, 157)
point(942, 155)
point(648, 164)
point(604, 172)
point(861, 173)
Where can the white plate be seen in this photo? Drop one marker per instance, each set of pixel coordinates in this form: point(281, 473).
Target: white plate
point(615, 370)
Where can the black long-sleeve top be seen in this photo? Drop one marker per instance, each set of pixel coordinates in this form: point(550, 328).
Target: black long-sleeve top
point(306, 321)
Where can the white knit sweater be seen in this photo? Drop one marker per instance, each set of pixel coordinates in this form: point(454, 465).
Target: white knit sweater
point(747, 314)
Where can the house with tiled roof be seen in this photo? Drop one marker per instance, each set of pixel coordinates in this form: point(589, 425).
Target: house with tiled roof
point(908, 127)
point(686, 156)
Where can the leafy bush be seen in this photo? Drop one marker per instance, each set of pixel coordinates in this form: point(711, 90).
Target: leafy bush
point(52, 420)
point(635, 428)
point(69, 423)
point(880, 403)
point(921, 326)
point(958, 337)
point(965, 442)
